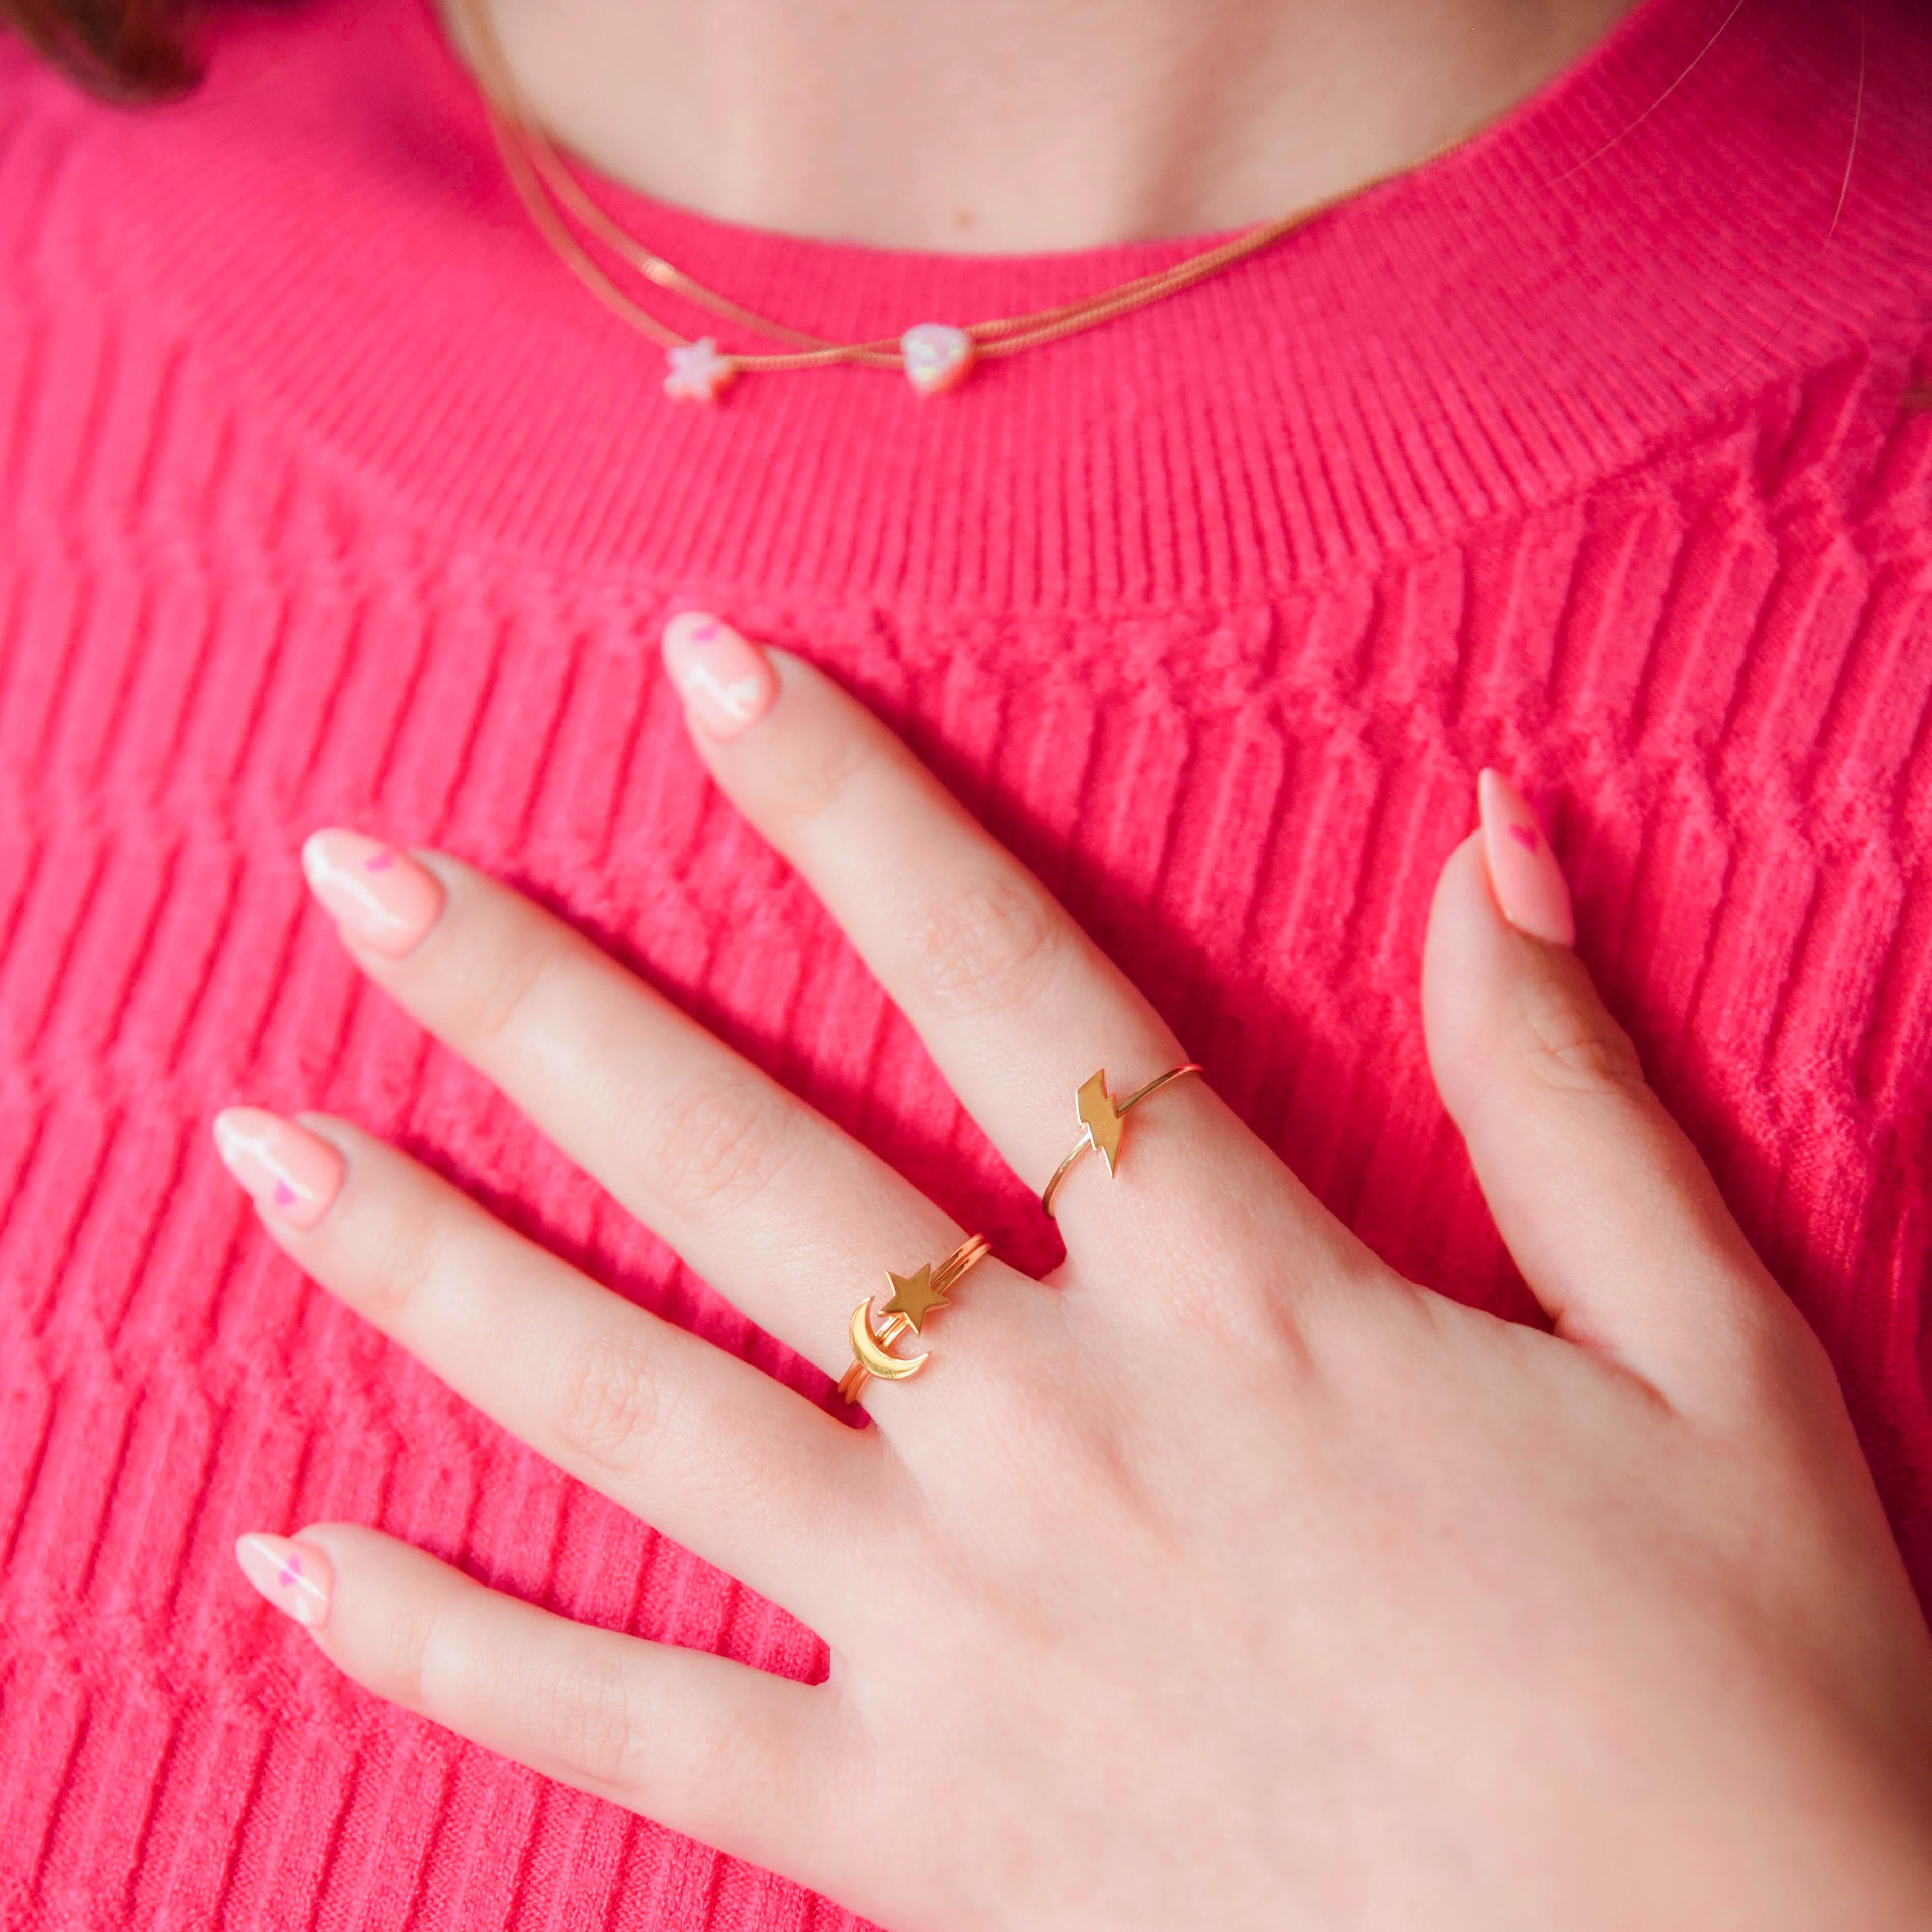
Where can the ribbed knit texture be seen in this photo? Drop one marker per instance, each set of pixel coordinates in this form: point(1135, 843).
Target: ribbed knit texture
point(326, 496)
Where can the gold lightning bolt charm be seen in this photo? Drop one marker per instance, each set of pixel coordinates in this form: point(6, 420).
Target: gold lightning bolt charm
point(1100, 1117)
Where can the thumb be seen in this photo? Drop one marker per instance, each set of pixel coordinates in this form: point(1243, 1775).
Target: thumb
point(1610, 1212)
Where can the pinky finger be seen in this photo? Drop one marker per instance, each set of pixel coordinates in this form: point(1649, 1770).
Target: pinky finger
point(732, 1756)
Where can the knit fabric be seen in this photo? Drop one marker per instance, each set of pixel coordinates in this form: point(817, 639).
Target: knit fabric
point(328, 496)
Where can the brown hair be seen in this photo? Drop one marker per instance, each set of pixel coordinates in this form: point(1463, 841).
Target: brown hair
point(125, 50)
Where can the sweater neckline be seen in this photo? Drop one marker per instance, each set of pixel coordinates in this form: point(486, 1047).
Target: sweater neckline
point(1640, 240)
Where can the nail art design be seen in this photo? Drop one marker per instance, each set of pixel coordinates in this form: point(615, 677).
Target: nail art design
point(296, 1577)
point(726, 683)
point(285, 1168)
point(1529, 883)
point(380, 898)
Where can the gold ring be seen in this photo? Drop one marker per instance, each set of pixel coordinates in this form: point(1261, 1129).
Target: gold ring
point(914, 1297)
point(1100, 1117)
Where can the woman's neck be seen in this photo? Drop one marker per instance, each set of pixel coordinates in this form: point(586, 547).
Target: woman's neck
point(986, 126)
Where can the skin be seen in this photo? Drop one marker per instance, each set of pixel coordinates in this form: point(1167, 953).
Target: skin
point(992, 126)
point(1225, 1578)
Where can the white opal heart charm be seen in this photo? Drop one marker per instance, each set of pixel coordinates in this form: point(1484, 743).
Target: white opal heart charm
point(936, 356)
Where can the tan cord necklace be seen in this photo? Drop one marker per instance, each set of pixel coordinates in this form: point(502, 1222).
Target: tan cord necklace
point(933, 355)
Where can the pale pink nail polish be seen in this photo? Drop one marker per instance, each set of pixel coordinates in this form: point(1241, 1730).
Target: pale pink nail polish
point(379, 897)
point(293, 1173)
point(294, 1576)
point(1524, 874)
point(726, 683)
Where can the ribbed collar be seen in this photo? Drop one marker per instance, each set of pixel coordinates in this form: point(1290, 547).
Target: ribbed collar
point(1642, 244)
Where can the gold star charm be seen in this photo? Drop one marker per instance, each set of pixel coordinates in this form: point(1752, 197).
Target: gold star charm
point(914, 1296)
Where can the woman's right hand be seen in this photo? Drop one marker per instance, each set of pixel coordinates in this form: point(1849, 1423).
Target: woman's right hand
point(1225, 1578)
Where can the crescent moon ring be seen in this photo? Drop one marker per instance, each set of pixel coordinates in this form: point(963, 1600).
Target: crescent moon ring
point(864, 1345)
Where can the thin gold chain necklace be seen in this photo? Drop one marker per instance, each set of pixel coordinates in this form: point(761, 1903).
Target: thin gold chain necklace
point(934, 356)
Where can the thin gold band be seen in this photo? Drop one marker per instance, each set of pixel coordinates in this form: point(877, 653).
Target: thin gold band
point(913, 1297)
point(1100, 1117)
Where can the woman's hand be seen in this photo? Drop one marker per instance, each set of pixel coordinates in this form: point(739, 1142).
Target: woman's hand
point(1224, 1580)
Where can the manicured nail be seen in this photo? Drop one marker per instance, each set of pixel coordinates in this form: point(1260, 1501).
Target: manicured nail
point(380, 898)
point(294, 1576)
point(1523, 871)
point(725, 683)
point(288, 1171)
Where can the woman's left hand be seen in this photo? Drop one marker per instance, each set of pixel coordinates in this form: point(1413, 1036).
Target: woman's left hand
point(1225, 1578)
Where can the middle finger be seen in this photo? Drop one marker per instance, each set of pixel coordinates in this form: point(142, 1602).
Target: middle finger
point(1017, 1005)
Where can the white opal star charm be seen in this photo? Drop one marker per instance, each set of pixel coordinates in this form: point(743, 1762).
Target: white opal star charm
point(698, 371)
point(936, 356)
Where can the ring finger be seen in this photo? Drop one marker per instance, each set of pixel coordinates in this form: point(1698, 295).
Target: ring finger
point(1016, 1004)
point(788, 1216)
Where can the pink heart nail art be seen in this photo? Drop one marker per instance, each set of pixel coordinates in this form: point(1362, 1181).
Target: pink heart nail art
point(296, 1578)
point(1527, 882)
point(379, 862)
point(287, 1170)
point(726, 683)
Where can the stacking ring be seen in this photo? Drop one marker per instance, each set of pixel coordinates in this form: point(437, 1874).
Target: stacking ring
point(913, 1297)
point(1100, 1117)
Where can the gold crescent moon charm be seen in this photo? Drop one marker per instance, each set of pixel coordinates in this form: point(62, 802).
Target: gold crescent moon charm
point(866, 1346)
point(914, 1297)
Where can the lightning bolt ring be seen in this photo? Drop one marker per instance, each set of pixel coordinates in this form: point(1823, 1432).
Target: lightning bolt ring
point(1100, 1117)
point(912, 1298)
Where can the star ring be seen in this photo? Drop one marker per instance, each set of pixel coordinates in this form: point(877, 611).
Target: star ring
point(913, 1297)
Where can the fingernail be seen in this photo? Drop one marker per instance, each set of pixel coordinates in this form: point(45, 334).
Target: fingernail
point(725, 683)
point(288, 1171)
point(380, 898)
point(294, 1576)
point(1523, 872)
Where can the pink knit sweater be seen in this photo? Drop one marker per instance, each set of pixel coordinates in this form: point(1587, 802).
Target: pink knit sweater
point(327, 496)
